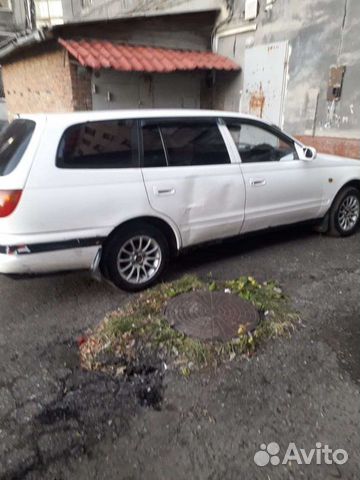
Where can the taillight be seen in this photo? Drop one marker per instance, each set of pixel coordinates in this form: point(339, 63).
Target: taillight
point(9, 200)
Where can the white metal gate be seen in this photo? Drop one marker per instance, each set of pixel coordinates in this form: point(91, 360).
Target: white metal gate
point(265, 76)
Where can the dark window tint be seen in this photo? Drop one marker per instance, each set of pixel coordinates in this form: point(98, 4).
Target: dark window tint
point(256, 144)
point(13, 143)
point(194, 144)
point(178, 143)
point(97, 145)
point(154, 154)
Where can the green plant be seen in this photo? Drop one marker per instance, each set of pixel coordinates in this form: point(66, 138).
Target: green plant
point(141, 325)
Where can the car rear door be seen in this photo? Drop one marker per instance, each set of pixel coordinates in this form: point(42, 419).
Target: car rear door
point(192, 178)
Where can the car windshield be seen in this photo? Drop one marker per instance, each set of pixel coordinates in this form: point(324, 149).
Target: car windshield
point(13, 143)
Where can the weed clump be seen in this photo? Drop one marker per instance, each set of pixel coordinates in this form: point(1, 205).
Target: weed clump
point(140, 330)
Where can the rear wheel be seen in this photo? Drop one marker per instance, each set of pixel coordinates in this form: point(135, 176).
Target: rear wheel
point(345, 213)
point(136, 258)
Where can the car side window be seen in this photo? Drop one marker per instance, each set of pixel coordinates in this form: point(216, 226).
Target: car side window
point(102, 144)
point(153, 148)
point(178, 143)
point(256, 144)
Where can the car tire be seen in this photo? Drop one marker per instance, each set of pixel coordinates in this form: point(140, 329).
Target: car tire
point(135, 258)
point(344, 217)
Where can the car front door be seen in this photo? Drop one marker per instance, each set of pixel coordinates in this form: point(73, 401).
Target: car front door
point(280, 188)
point(191, 178)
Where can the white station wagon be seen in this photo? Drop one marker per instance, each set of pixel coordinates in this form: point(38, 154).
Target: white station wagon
point(126, 190)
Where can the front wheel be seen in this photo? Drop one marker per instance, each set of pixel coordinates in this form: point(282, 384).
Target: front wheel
point(345, 213)
point(136, 258)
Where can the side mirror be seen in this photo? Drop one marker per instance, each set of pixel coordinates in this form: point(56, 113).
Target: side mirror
point(306, 153)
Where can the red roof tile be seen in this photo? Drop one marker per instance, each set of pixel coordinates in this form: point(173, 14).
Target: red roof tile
point(130, 58)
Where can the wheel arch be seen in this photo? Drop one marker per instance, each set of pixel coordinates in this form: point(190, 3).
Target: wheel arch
point(332, 219)
point(324, 222)
point(348, 183)
point(352, 183)
point(168, 230)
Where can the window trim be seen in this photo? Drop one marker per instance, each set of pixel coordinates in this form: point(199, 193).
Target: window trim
point(158, 120)
point(164, 147)
point(269, 128)
point(59, 163)
point(139, 124)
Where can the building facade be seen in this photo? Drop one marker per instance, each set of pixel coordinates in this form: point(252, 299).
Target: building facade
point(298, 62)
point(300, 68)
point(49, 75)
point(20, 21)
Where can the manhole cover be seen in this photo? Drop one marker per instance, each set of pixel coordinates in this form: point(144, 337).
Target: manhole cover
point(211, 315)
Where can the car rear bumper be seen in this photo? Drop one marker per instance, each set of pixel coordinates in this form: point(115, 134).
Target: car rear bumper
point(49, 261)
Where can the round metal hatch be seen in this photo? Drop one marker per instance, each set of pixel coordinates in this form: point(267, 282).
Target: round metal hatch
point(213, 316)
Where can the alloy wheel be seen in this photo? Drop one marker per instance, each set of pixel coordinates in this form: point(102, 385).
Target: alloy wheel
point(139, 259)
point(348, 214)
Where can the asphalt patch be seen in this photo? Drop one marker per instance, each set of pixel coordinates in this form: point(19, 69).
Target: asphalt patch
point(85, 407)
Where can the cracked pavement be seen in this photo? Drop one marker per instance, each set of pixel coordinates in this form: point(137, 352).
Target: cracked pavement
point(57, 422)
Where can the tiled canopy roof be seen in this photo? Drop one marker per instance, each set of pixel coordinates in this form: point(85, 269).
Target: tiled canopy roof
point(98, 54)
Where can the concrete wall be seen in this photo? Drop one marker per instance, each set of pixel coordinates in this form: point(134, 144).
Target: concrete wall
point(85, 10)
point(174, 31)
point(321, 33)
point(14, 19)
point(46, 13)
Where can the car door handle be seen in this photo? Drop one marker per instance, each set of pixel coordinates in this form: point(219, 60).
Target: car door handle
point(164, 191)
point(257, 182)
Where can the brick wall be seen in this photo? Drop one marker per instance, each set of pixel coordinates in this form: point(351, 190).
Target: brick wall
point(345, 147)
point(46, 82)
point(81, 87)
point(39, 83)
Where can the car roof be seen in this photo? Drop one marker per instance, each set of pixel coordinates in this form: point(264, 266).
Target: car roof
point(92, 115)
point(66, 119)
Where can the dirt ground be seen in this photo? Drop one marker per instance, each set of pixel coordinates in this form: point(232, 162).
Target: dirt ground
point(58, 422)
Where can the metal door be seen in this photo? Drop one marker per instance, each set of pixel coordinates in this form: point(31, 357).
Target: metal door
point(265, 74)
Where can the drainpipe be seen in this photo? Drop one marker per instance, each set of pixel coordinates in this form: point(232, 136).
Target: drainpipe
point(30, 15)
point(37, 36)
point(233, 31)
point(230, 12)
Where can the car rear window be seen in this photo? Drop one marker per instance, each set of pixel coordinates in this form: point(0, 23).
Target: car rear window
point(13, 143)
point(102, 144)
